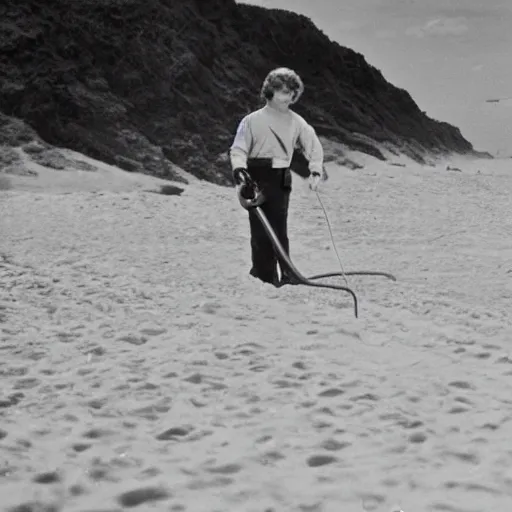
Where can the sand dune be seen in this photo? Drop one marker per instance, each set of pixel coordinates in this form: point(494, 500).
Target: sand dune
point(142, 368)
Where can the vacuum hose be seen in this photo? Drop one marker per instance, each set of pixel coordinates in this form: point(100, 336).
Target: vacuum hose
point(254, 204)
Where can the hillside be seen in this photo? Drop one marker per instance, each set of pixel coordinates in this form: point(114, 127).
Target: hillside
point(152, 85)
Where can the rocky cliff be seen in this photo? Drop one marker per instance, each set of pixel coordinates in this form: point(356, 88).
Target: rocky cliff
point(149, 84)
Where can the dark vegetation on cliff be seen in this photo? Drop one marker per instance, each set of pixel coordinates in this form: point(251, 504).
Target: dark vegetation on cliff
point(145, 84)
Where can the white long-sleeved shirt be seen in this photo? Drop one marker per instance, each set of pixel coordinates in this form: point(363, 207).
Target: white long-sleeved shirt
point(255, 139)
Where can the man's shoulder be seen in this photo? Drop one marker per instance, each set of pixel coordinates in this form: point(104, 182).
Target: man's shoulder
point(255, 113)
point(252, 116)
point(299, 119)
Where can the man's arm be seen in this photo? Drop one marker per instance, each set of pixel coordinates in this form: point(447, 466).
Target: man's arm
point(239, 150)
point(312, 147)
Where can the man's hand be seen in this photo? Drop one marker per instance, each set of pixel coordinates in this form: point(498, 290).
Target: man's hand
point(246, 191)
point(249, 195)
point(239, 175)
point(314, 181)
point(316, 177)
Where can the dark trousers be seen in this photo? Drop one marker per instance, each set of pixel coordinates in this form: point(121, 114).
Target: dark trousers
point(276, 187)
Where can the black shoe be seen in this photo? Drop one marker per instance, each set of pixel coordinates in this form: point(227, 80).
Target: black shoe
point(287, 279)
point(274, 280)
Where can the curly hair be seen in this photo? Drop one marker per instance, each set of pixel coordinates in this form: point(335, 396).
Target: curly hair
point(282, 77)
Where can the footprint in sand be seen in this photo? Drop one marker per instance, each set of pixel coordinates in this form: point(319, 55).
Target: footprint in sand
point(225, 469)
point(248, 349)
point(50, 477)
point(27, 383)
point(469, 487)
point(96, 351)
point(33, 506)
point(320, 460)
point(333, 445)
point(457, 409)
point(417, 437)
point(133, 339)
point(490, 426)
point(212, 385)
point(195, 378)
point(175, 433)
point(365, 396)
point(152, 411)
point(218, 481)
point(482, 355)
point(14, 371)
point(143, 336)
point(80, 447)
point(100, 473)
point(470, 458)
point(259, 368)
point(371, 501)
point(461, 385)
point(11, 400)
point(286, 384)
point(313, 507)
point(97, 433)
point(331, 392)
point(153, 331)
point(143, 495)
point(97, 403)
point(271, 456)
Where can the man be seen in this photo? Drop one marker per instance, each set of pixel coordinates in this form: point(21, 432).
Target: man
point(264, 146)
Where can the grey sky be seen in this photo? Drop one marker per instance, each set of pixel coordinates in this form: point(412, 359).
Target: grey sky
point(451, 55)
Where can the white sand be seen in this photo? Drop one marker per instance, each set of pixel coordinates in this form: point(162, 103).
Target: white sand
point(125, 313)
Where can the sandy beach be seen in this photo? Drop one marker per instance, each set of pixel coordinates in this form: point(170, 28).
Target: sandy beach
point(142, 368)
